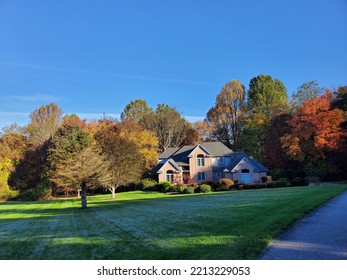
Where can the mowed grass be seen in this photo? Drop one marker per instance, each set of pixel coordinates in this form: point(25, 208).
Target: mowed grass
point(140, 225)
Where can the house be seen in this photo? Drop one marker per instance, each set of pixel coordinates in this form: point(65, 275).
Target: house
point(207, 162)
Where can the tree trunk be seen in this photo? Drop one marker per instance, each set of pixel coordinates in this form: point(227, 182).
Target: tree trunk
point(113, 189)
point(84, 195)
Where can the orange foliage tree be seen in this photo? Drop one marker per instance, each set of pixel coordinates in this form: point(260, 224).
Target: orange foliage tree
point(314, 130)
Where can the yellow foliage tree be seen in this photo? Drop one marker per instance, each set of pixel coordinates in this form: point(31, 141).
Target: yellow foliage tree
point(145, 140)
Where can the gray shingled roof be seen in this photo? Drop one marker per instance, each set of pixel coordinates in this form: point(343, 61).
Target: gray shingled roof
point(237, 157)
point(168, 153)
point(217, 149)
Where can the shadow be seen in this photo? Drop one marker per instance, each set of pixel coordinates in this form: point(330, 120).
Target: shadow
point(218, 226)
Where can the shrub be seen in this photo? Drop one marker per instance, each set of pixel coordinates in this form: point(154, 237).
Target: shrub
point(193, 185)
point(254, 186)
point(263, 179)
point(7, 193)
point(163, 186)
point(224, 184)
point(42, 191)
point(148, 184)
point(204, 188)
point(299, 181)
point(189, 190)
point(283, 183)
point(277, 173)
point(177, 188)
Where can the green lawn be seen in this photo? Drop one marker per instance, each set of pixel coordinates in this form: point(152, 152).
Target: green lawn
point(139, 225)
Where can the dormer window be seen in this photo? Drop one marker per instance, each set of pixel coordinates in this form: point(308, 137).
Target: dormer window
point(200, 160)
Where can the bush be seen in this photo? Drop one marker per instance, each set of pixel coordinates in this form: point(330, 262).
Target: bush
point(299, 181)
point(177, 188)
point(163, 186)
point(204, 188)
point(224, 184)
point(148, 184)
point(189, 190)
point(283, 183)
point(254, 186)
point(6, 194)
point(194, 185)
point(263, 179)
point(42, 191)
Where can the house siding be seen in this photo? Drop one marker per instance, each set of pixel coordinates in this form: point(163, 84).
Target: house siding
point(244, 168)
point(195, 169)
point(168, 167)
point(254, 176)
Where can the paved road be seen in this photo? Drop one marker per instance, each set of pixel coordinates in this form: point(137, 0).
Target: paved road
point(321, 235)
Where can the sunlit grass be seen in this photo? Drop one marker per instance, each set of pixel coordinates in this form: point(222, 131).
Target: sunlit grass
point(151, 225)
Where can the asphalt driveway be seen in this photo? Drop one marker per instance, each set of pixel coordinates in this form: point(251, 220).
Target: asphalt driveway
point(321, 235)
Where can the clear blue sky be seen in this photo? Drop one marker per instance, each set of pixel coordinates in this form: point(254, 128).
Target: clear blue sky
point(95, 56)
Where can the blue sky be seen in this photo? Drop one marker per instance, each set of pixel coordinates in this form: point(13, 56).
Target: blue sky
point(94, 57)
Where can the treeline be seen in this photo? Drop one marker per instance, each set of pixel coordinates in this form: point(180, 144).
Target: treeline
point(304, 135)
point(56, 153)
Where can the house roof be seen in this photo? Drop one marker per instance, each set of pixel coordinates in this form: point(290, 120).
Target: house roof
point(168, 153)
point(159, 166)
point(217, 149)
point(238, 156)
point(179, 157)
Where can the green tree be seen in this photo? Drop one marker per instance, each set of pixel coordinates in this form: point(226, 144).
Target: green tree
point(225, 116)
point(76, 161)
point(252, 137)
point(306, 91)
point(136, 110)
point(267, 96)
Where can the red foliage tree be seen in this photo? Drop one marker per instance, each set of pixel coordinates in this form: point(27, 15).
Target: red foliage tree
point(314, 130)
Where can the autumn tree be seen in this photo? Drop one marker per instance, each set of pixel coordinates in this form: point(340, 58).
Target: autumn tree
point(136, 110)
point(314, 130)
point(203, 130)
point(144, 139)
point(12, 146)
point(30, 169)
point(126, 159)
point(74, 120)
point(76, 161)
point(225, 116)
point(44, 122)
point(168, 125)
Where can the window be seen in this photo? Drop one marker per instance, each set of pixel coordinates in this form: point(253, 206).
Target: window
point(200, 160)
point(201, 176)
point(220, 161)
point(218, 175)
point(169, 176)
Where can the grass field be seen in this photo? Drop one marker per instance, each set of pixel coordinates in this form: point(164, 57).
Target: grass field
point(139, 225)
